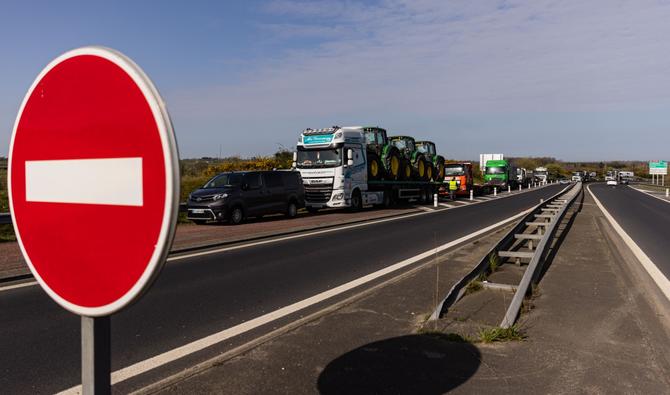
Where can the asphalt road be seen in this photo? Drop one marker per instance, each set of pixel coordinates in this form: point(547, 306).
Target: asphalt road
point(195, 297)
point(646, 219)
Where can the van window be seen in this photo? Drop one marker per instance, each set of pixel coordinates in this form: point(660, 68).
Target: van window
point(253, 180)
point(273, 180)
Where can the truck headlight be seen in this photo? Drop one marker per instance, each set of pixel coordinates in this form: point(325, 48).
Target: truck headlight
point(220, 196)
point(338, 196)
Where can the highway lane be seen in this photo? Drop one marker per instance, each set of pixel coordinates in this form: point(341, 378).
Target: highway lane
point(645, 219)
point(195, 297)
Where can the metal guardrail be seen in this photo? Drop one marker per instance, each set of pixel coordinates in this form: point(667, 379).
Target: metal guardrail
point(5, 218)
point(458, 290)
point(532, 273)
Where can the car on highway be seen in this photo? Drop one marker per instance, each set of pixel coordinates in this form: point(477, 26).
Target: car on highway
point(563, 181)
point(612, 182)
point(235, 196)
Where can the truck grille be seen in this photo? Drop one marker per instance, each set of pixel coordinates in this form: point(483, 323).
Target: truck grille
point(318, 194)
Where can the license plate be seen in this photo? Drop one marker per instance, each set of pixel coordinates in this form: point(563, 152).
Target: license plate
point(198, 211)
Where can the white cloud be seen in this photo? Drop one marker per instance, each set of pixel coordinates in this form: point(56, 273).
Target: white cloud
point(435, 59)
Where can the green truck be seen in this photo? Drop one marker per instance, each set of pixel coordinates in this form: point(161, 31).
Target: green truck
point(500, 174)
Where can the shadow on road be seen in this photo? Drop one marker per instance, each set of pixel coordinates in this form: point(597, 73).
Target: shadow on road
point(413, 364)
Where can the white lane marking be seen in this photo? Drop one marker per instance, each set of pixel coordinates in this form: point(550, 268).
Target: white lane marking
point(424, 208)
point(110, 181)
point(447, 205)
point(208, 341)
point(658, 277)
point(661, 198)
point(15, 286)
point(463, 203)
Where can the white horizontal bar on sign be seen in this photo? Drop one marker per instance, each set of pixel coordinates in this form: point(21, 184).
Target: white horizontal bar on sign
point(109, 181)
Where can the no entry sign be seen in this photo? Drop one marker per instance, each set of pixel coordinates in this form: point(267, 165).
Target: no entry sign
point(93, 180)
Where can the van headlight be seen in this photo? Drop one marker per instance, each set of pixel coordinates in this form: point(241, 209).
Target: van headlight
point(338, 196)
point(220, 196)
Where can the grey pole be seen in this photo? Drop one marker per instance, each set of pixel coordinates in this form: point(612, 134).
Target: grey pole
point(96, 357)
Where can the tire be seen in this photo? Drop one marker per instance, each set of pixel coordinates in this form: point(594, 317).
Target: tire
point(392, 164)
point(374, 166)
point(405, 170)
point(356, 201)
point(430, 172)
point(236, 216)
point(420, 168)
point(291, 209)
point(439, 169)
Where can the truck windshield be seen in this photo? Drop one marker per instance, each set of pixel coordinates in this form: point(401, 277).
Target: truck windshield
point(224, 180)
point(495, 170)
point(453, 171)
point(320, 158)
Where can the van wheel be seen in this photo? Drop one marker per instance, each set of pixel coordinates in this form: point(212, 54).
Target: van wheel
point(356, 201)
point(292, 210)
point(236, 215)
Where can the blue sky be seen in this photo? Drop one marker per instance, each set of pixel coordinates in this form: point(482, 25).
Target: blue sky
point(572, 79)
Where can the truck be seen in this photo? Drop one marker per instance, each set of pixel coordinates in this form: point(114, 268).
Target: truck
point(541, 175)
point(334, 166)
point(460, 172)
point(578, 176)
point(500, 174)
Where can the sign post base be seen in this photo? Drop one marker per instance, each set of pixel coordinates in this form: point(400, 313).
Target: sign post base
point(96, 357)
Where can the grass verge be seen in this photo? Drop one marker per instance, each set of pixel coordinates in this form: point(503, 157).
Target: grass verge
point(498, 334)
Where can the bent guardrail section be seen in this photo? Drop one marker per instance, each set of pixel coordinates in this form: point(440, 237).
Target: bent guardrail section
point(458, 290)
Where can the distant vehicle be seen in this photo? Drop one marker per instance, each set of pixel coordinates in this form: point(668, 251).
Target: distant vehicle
point(234, 196)
point(611, 182)
point(462, 174)
point(501, 174)
point(541, 174)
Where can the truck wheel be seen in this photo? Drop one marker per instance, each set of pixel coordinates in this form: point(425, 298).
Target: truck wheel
point(292, 210)
point(374, 167)
point(236, 215)
point(356, 201)
point(393, 166)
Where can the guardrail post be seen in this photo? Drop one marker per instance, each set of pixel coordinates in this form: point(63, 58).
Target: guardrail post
point(471, 194)
point(509, 189)
point(495, 191)
point(519, 187)
point(435, 200)
point(667, 192)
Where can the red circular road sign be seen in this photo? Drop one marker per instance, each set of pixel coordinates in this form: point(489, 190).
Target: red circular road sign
point(93, 180)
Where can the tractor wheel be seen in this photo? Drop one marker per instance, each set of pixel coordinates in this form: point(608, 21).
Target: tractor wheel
point(374, 167)
point(393, 167)
point(430, 172)
point(405, 170)
point(440, 171)
point(421, 169)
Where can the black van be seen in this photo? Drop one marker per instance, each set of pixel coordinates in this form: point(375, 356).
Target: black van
point(237, 195)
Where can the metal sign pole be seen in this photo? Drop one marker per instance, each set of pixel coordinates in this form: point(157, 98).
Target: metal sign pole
point(96, 358)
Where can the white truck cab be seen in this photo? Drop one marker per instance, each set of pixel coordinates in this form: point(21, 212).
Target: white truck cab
point(333, 165)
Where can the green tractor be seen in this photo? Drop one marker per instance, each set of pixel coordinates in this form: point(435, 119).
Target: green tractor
point(384, 159)
point(430, 152)
point(419, 168)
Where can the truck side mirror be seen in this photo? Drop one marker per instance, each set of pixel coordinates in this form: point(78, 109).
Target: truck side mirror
point(295, 159)
point(350, 157)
